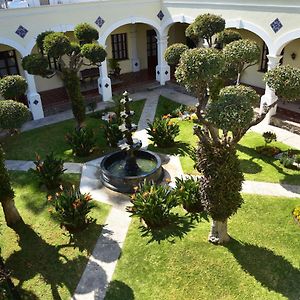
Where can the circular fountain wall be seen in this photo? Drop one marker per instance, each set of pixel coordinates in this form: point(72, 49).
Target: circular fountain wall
point(113, 174)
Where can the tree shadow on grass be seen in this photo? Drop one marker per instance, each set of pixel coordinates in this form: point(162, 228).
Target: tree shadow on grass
point(118, 290)
point(38, 258)
point(249, 166)
point(179, 227)
point(271, 270)
point(179, 148)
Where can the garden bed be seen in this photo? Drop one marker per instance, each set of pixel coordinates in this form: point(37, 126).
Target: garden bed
point(44, 261)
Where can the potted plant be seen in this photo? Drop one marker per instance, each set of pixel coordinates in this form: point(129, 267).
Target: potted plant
point(114, 67)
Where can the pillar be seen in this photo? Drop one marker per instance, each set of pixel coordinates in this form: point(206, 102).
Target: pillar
point(162, 69)
point(34, 98)
point(135, 62)
point(104, 82)
point(270, 97)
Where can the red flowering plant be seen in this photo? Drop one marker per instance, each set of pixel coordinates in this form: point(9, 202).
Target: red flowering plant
point(72, 208)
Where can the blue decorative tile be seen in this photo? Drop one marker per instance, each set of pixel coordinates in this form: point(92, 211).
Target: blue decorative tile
point(21, 31)
point(99, 22)
point(160, 15)
point(35, 102)
point(106, 85)
point(276, 25)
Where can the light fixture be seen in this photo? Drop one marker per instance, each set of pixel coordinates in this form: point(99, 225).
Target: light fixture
point(293, 56)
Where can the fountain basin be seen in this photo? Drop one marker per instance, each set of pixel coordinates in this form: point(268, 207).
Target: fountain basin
point(113, 175)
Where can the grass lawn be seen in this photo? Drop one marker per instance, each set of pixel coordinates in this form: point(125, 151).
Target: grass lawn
point(254, 166)
point(261, 262)
point(165, 106)
point(44, 261)
point(52, 138)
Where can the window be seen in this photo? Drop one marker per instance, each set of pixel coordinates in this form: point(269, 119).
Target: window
point(8, 63)
point(264, 59)
point(119, 46)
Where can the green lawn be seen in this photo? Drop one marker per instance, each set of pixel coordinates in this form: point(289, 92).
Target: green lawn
point(165, 106)
point(44, 262)
point(52, 138)
point(261, 262)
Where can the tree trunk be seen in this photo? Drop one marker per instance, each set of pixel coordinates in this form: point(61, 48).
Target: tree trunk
point(11, 213)
point(72, 84)
point(218, 232)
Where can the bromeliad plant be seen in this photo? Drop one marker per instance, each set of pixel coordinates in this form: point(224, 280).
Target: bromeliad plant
point(163, 131)
point(49, 171)
point(82, 141)
point(153, 204)
point(72, 208)
point(188, 194)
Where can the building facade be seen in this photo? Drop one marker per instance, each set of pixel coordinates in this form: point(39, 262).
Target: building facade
point(137, 32)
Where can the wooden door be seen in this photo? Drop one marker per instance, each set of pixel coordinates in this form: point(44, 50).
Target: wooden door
point(151, 53)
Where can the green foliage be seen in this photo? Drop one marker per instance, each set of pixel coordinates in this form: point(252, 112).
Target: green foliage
point(94, 53)
point(82, 141)
point(72, 208)
point(269, 137)
point(222, 179)
point(113, 64)
point(241, 53)
point(163, 131)
point(285, 81)
point(75, 48)
point(92, 106)
point(86, 33)
point(269, 151)
point(40, 39)
point(49, 171)
point(205, 27)
point(56, 44)
point(296, 213)
point(187, 191)
point(153, 203)
point(227, 36)
point(6, 191)
point(13, 86)
point(36, 64)
point(72, 84)
point(197, 67)
point(13, 114)
point(289, 158)
point(174, 52)
point(233, 111)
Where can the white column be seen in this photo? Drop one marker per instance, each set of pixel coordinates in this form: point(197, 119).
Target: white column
point(104, 82)
point(34, 98)
point(270, 97)
point(135, 62)
point(162, 69)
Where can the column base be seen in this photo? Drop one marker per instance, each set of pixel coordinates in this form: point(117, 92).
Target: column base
point(162, 73)
point(136, 67)
point(267, 100)
point(35, 106)
point(104, 88)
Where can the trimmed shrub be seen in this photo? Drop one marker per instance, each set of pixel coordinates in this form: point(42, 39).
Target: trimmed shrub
point(174, 52)
point(72, 208)
point(56, 44)
point(94, 53)
point(36, 64)
point(82, 141)
point(49, 171)
point(13, 86)
point(163, 131)
point(269, 137)
point(84, 32)
point(13, 114)
point(227, 36)
point(153, 203)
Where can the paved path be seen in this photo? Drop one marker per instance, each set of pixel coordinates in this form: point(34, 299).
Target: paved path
point(101, 265)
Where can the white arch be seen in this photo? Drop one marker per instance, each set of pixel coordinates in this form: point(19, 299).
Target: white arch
point(130, 20)
point(56, 28)
point(282, 41)
point(175, 19)
point(241, 24)
point(13, 44)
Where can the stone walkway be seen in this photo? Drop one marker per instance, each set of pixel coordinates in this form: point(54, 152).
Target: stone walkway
point(102, 263)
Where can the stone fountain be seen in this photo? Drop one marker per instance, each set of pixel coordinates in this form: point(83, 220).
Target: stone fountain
point(124, 169)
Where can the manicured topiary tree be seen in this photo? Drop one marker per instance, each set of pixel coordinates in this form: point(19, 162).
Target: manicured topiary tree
point(226, 37)
point(12, 87)
point(174, 52)
point(223, 117)
point(71, 56)
point(11, 213)
point(241, 55)
point(13, 115)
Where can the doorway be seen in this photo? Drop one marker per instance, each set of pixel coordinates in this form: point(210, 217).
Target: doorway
point(151, 53)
